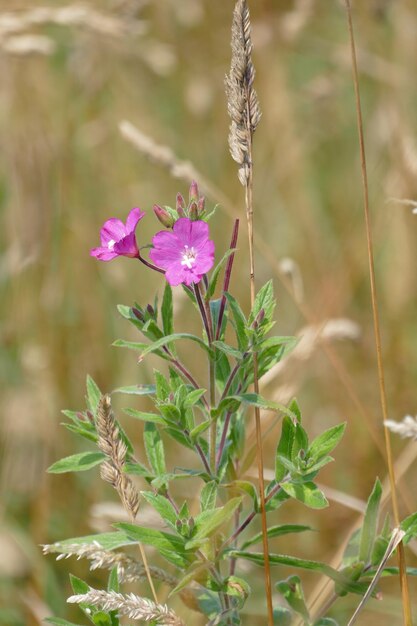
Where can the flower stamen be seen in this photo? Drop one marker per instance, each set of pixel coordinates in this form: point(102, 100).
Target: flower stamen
point(189, 256)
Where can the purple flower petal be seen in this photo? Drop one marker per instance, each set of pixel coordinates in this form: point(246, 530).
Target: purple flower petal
point(113, 230)
point(118, 239)
point(133, 218)
point(186, 252)
point(127, 246)
point(103, 254)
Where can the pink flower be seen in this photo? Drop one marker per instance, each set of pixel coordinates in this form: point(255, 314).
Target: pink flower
point(186, 253)
point(118, 239)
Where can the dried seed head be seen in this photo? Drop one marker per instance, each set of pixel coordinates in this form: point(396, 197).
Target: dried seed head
point(242, 101)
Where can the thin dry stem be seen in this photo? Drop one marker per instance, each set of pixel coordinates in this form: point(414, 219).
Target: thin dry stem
point(129, 604)
point(244, 111)
point(377, 330)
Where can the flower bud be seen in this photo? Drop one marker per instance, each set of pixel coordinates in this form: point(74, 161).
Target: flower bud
point(201, 204)
point(193, 193)
point(163, 216)
point(180, 206)
point(150, 310)
point(193, 211)
point(138, 313)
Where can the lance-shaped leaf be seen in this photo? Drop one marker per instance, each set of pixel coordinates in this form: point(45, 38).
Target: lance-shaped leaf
point(292, 561)
point(169, 546)
point(77, 462)
point(146, 349)
point(163, 506)
point(154, 448)
point(207, 522)
point(326, 442)
point(307, 493)
point(167, 310)
point(284, 449)
point(276, 531)
point(93, 394)
point(215, 273)
point(370, 522)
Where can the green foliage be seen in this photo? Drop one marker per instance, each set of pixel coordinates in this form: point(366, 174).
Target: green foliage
point(291, 589)
point(77, 462)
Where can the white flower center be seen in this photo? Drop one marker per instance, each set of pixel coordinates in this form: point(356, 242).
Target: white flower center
point(111, 243)
point(188, 257)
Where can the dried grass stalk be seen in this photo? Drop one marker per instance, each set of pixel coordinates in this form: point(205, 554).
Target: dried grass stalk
point(242, 101)
point(159, 154)
point(112, 470)
point(129, 604)
point(128, 569)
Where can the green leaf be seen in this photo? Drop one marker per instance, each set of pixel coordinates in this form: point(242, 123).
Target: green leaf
point(146, 349)
point(154, 448)
point(93, 395)
point(163, 506)
point(326, 621)
point(264, 300)
point(215, 273)
point(58, 621)
point(77, 462)
point(276, 531)
point(79, 587)
point(292, 561)
point(326, 442)
point(145, 417)
point(307, 493)
point(107, 541)
point(300, 443)
point(282, 616)
point(169, 546)
point(228, 350)
point(193, 397)
point(284, 448)
point(291, 589)
point(409, 526)
point(240, 322)
point(136, 390)
point(208, 522)
point(208, 496)
point(100, 618)
point(113, 582)
point(370, 522)
point(167, 310)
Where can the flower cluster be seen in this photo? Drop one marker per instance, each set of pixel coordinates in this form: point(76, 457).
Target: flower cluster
point(184, 254)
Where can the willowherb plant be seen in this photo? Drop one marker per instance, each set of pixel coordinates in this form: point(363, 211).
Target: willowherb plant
point(203, 549)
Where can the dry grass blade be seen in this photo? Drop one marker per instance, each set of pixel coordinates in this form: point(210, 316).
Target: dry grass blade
point(129, 604)
point(396, 538)
point(381, 374)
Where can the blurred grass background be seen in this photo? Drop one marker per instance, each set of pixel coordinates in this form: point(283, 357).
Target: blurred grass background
point(67, 80)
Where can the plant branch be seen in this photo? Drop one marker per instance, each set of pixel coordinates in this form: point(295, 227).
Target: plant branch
point(227, 276)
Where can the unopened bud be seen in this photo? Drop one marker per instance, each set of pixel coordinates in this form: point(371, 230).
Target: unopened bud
point(180, 205)
point(163, 216)
point(193, 211)
point(138, 313)
point(193, 194)
point(201, 205)
point(259, 318)
point(150, 310)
